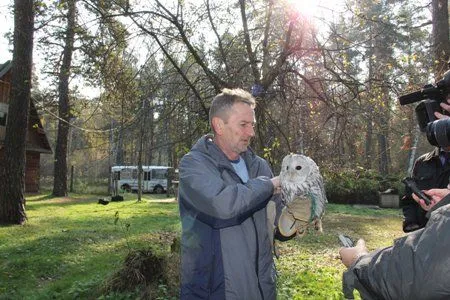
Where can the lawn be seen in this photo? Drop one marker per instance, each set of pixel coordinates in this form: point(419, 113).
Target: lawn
point(69, 247)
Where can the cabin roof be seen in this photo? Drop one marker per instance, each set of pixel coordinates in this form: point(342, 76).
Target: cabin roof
point(43, 145)
point(5, 67)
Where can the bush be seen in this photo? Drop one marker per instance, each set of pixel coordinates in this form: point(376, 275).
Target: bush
point(154, 272)
point(358, 186)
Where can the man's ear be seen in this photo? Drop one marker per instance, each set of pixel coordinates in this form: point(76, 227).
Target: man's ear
point(217, 124)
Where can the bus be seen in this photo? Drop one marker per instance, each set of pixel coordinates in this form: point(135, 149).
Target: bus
point(155, 179)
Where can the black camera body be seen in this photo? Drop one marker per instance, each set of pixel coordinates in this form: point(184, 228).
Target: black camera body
point(430, 97)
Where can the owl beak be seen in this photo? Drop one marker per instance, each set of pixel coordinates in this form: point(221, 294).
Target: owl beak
point(291, 174)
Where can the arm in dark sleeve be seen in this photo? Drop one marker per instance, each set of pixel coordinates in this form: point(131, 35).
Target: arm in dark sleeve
point(417, 266)
point(414, 215)
point(407, 199)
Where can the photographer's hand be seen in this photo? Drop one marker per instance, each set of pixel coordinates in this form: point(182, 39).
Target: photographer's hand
point(436, 195)
point(350, 255)
point(445, 106)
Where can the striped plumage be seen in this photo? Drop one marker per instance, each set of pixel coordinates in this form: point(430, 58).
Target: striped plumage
point(303, 194)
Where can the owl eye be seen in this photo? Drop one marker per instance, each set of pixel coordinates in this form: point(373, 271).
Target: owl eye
point(298, 167)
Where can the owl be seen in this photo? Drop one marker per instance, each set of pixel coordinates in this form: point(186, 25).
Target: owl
point(303, 193)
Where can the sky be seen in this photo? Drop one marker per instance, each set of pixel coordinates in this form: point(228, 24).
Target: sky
point(6, 24)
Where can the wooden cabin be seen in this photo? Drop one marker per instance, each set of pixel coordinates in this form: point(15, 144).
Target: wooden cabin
point(37, 141)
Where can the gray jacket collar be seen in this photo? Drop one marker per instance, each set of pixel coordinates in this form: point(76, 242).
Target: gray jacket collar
point(207, 146)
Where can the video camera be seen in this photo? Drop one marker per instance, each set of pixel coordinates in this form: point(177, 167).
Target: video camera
point(437, 131)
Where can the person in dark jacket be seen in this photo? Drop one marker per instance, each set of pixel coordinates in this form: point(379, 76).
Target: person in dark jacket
point(224, 189)
point(431, 170)
point(417, 266)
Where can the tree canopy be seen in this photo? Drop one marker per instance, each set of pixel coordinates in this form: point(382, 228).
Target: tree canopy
point(325, 86)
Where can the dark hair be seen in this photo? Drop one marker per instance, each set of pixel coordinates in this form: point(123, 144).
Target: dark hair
point(223, 102)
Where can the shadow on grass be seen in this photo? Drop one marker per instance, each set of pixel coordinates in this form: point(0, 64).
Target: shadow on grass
point(76, 199)
point(32, 197)
point(58, 201)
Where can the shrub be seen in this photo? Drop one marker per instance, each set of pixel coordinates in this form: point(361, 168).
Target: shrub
point(358, 186)
point(153, 272)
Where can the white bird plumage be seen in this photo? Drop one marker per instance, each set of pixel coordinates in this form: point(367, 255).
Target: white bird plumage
point(303, 194)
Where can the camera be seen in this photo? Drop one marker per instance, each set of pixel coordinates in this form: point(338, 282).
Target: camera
point(430, 96)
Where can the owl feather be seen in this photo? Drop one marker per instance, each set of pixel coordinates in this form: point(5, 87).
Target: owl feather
point(303, 194)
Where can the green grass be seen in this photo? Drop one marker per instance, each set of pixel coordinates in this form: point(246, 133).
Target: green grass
point(70, 246)
point(310, 268)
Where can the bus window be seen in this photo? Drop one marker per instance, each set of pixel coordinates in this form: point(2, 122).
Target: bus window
point(146, 175)
point(126, 174)
point(159, 173)
point(116, 175)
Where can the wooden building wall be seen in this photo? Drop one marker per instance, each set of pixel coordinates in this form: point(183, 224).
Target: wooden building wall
point(4, 97)
point(4, 87)
point(32, 171)
point(32, 160)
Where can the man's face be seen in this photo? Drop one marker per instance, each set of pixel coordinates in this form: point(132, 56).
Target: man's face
point(237, 130)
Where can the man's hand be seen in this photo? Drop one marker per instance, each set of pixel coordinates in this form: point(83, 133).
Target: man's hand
point(350, 255)
point(444, 106)
point(276, 184)
point(436, 195)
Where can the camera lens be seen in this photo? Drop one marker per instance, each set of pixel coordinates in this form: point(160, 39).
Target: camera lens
point(438, 133)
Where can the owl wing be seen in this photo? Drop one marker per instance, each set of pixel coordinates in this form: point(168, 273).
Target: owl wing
point(318, 195)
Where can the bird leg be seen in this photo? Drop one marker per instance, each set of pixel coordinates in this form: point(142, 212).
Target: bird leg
point(318, 225)
point(302, 227)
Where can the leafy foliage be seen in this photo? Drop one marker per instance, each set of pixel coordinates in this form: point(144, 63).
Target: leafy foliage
point(351, 186)
point(328, 89)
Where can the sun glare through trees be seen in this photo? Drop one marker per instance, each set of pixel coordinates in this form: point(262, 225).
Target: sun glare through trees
point(315, 8)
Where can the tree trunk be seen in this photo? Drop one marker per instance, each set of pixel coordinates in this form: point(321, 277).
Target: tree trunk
point(71, 179)
point(119, 146)
point(382, 56)
point(141, 148)
point(60, 168)
point(12, 169)
point(383, 165)
point(383, 136)
point(369, 121)
point(441, 44)
point(151, 135)
point(369, 143)
point(412, 152)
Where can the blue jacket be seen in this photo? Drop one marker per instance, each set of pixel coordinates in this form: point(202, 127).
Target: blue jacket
point(225, 247)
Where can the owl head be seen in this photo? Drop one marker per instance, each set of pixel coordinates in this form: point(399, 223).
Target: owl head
point(296, 168)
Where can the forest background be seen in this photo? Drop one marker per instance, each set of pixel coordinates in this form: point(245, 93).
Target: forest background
point(128, 82)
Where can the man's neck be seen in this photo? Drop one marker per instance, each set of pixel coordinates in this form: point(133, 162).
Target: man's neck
point(228, 153)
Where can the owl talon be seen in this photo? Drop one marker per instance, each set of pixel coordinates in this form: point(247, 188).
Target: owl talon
point(318, 226)
point(301, 233)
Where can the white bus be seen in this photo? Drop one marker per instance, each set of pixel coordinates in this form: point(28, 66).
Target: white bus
point(155, 179)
